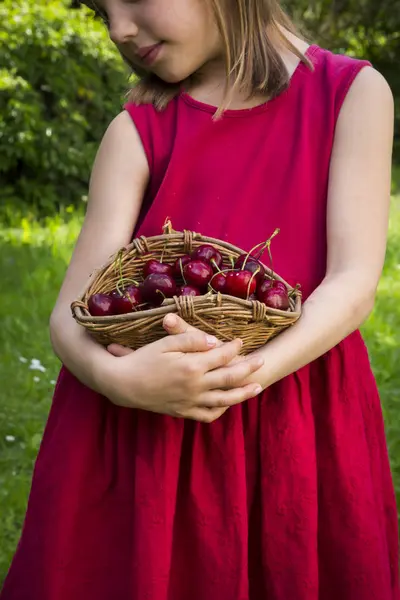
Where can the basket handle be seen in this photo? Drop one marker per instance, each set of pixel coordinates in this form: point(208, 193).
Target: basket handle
point(78, 304)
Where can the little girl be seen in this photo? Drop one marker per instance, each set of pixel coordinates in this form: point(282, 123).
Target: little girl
point(183, 471)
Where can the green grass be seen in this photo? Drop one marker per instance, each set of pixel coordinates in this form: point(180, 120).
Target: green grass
point(33, 260)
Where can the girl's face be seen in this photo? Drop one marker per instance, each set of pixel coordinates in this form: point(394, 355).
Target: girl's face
point(172, 39)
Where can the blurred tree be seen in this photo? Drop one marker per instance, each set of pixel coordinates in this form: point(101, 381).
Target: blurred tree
point(362, 28)
point(61, 82)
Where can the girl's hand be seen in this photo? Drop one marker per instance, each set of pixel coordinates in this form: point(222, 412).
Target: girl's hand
point(183, 375)
point(173, 324)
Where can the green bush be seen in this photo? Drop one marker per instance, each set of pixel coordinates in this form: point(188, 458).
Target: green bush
point(361, 28)
point(61, 83)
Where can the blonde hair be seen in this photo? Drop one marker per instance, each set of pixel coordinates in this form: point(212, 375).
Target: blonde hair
point(253, 64)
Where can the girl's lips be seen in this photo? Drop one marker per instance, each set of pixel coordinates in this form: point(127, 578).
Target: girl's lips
point(148, 54)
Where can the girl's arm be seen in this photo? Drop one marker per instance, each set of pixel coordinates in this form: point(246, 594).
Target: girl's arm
point(357, 222)
point(119, 178)
point(173, 376)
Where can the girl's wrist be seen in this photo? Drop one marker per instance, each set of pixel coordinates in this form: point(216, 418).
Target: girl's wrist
point(103, 371)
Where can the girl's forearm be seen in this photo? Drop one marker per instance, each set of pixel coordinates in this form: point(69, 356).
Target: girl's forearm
point(335, 309)
point(81, 355)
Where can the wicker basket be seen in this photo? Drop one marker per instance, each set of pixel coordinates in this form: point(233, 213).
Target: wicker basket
point(224, 316)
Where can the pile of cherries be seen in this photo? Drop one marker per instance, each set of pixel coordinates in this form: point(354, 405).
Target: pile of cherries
point(194, 275)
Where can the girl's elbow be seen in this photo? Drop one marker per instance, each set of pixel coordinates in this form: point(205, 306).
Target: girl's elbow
point(363, 307)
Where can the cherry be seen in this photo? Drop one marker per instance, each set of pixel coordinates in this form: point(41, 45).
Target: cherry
point(126, 300)
point(252, 264)
point(279, 284)
point(188, 290)
point(155, 266)
point(252, 297)
point(240, 283)
point(198, 273)
point(269, 284)
point(274, 296)
point(156, 287)
point(218, 282)
point(180, 263)
point(100, 305)
point(208, 254)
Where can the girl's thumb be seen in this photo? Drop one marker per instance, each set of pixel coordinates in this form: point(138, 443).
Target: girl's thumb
point(117, 350)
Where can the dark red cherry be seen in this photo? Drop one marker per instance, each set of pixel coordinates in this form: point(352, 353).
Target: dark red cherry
point(188, 290)
point(127, 301)
point(218, 282)
point(100, 305)
point(274, 297)
point(240, 283)
point(198, 273)
point(252, 265)
point(156, 287)
point(209, 254)
point(155, 266)
point(180, 263)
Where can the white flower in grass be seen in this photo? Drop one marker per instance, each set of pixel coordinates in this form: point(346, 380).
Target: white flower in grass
point(53, 382)
point(10, 438)
point(23, 359)
point(36, 379)
point(36, 365)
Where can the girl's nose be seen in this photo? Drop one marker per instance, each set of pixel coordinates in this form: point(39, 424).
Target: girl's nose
point(122, 31)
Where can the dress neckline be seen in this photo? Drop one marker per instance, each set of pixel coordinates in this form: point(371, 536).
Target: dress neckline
point(243, 112)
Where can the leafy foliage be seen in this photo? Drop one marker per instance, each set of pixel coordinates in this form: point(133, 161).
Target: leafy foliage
point(61, 82)
point(363, 29)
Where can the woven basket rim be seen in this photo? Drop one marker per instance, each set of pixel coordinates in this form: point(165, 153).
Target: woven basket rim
point(171, 307)
point(79, 313)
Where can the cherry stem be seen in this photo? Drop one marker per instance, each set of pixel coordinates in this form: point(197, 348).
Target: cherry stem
point(125, 280)
point(215, 274)
point(251, 281)
point(268, 248)
point(118, 263)
point(232, 261)
point(266, 244)
point(249, 254)
point(294, 291)
point(270, 259)
point(162, 294)
point(216, 266)
point(181, 268)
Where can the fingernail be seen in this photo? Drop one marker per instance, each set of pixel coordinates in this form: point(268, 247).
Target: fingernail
point(211, 340)
point(170, 320)
point(257, 389)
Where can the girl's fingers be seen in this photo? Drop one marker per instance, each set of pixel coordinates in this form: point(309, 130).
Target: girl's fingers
point(174, 325)
point(233, 376)
point(225, 399)
point(207, 415)
point(190, 342)
point(220, 356)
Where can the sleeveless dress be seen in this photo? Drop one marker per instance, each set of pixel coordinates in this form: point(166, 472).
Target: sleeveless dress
point(288, 496)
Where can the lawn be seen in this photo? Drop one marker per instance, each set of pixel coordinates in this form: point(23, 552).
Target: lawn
point(32, 263)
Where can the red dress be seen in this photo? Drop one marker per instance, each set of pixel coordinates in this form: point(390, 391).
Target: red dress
point(286, 497)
